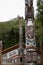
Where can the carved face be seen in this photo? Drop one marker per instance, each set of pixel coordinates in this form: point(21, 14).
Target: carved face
point(30, 34)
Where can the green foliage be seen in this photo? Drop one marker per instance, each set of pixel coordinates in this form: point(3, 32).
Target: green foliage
point(12, 38)
point(40, 11)
point(9, 32)
point(39, 23)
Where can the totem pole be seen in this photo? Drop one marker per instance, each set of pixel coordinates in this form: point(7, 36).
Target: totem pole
point(31, 54)
point(21, 50)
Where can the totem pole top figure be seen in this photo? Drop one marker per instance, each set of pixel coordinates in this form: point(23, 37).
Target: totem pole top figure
point(29, 2)
point(29, 10)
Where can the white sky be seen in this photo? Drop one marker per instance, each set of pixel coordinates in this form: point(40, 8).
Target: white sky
point(10, 9)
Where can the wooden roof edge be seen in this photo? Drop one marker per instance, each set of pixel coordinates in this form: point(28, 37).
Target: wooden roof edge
point(10, 48)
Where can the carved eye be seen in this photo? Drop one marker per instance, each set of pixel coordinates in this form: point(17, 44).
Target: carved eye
point(34, 43)
point(27, 43)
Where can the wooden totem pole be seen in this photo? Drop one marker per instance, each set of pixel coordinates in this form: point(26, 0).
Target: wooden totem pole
point(21, 50)
point(31, 54)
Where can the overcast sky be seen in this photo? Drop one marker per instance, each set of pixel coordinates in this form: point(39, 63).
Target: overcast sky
point(10, 9)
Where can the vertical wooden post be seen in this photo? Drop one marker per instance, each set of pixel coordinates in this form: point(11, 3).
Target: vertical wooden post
point(21, 50)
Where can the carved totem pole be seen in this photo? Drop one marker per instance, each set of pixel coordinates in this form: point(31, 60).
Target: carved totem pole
point(21, 50)
point(31, 54)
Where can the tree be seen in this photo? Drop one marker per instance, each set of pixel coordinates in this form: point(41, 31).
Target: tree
point(40, 11)
point(39, 22)
point(12, 38)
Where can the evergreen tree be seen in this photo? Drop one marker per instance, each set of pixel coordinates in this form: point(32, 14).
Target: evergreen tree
point(39, 22)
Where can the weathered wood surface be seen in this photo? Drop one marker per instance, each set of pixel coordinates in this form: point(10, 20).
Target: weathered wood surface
point(12, 64)
point(18, 64)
